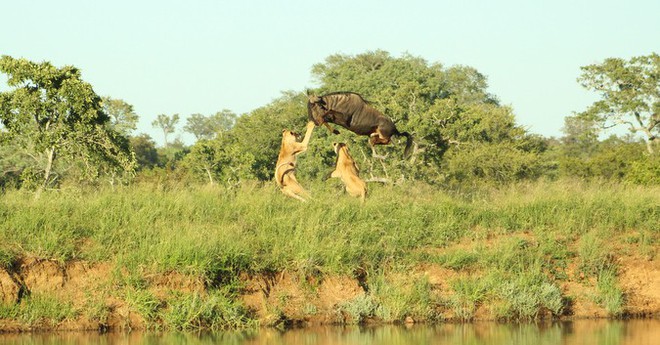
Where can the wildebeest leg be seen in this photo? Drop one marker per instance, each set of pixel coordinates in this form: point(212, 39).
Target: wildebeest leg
point(376, 138)
point(332, 130)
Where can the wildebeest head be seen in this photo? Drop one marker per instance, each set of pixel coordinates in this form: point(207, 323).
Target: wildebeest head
point(316, 109)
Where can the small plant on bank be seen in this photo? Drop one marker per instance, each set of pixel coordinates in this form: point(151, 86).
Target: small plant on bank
point(213, 311)
point(468, 294)
point(610, 296)
point(37, 309)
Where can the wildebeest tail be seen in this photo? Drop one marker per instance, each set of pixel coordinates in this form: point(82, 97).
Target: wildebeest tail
point(407, 152)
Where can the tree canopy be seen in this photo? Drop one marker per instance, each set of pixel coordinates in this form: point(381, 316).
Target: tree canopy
point(122, 116)
point(167, 124)
point(630, 94)
point(207, 127)
point(51, 114)
point(444, 108)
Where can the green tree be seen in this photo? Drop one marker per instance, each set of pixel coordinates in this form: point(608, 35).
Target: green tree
point(145, 150)
point(580, 135)
point(487, 146)
point(167, 124)
point(579, 143)
point(630, 94)
point(123, 117)
point(207, 127)
point(52, 114)
point(220, 159)
point(444, 108)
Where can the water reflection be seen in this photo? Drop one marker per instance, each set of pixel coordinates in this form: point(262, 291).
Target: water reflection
point(596, 332)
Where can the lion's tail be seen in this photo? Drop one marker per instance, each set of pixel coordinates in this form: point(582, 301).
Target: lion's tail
point(290, 167)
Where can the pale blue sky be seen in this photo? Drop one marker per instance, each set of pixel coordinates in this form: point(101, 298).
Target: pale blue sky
point(203, 56)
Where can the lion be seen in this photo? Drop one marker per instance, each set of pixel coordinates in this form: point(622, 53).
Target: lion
point(286, 163)
point(347, 171)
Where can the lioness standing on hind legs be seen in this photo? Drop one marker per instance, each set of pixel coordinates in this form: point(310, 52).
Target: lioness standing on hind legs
point(347, 171)
point(286, 163)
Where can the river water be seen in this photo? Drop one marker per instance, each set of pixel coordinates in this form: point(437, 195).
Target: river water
point(582, 332)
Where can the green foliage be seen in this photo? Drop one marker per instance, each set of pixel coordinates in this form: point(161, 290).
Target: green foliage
point(439, 106)
point(123, 117)
point(146, 154)
point(614, 159)
point(167, 124)
point(644, 171)
point(220, 160)
point(629, 92)
point(52, 115)
point(208, 127)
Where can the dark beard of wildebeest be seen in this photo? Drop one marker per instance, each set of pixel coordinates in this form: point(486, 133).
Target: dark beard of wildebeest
point(351, 111)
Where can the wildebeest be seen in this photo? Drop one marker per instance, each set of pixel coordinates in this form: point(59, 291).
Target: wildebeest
point(351, 111)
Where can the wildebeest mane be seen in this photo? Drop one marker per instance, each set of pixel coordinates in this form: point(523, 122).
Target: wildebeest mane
point(346, 93)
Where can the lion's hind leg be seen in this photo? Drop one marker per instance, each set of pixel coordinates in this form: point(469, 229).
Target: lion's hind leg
point(293, 194)
point(292, 188)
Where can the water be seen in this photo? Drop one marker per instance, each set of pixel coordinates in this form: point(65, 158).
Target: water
point(583, 332)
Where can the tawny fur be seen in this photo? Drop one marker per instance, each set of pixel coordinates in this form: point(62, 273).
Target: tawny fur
point(286, 163)
point(347, 171)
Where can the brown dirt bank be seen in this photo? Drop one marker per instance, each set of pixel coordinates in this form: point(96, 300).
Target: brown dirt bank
point(91, 289)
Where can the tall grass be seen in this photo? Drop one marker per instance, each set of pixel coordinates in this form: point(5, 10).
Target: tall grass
point(217, 233)
point(214, 231)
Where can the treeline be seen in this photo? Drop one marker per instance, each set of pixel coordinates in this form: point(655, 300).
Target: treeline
point(56, 131)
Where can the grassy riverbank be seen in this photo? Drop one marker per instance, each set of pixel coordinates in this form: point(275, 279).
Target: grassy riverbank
point(515, 253)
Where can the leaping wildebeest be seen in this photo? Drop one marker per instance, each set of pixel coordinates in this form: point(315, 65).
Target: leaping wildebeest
point(351, 111)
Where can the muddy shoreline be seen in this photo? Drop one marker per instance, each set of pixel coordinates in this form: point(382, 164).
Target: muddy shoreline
point(280, 299)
